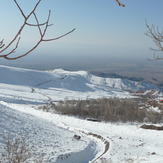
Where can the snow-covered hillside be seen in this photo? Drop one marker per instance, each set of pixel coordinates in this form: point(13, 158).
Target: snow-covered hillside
point(45, 138)
point(16, 84)
point(74, 81)
point(52, 135)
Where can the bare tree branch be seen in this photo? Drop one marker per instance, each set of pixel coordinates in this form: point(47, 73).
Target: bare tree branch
point(120, 4)
point(52, 39)
point(157, 37)
point(35, 25)
point(42, 29)
point(2, 44)
point(22, 27)
point(13, 50)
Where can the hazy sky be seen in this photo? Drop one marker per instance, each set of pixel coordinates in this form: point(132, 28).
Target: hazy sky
point(102, 27)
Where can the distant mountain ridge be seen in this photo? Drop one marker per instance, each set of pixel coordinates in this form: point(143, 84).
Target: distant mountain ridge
point(114, 75)
point(108, 83)
point(81, 81)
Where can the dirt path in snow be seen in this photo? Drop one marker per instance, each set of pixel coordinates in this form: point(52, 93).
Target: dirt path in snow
point(104, 141)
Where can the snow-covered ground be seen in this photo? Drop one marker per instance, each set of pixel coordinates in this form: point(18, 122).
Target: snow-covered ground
point(51, 135)
point(127, 142)
point(45, 137)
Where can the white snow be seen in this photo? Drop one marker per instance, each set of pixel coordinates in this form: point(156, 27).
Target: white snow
point(44, 136)
point(59, 84)
point(154, 109)
point(51, 135)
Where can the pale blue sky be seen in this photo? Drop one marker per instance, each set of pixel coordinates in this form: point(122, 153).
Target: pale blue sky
point(102, 27)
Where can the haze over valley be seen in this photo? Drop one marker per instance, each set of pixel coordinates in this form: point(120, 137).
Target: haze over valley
point(126, 67)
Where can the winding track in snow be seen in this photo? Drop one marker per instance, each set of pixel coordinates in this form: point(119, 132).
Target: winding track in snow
point(33, 90)
point(104, 141)
point(48, 81)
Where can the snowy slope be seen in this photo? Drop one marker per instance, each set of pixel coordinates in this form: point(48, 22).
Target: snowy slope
point(96, 82)
point(128, 142)
point(16, 84)
point(17, 76)
point(44, 137)
point(76, 81)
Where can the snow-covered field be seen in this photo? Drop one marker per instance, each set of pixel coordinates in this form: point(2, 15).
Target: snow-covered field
point(52, 135)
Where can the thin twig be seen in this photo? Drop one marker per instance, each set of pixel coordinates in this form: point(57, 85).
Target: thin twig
point(13, 50)
point(2, 44)
point(52, 39)
point(120, 4)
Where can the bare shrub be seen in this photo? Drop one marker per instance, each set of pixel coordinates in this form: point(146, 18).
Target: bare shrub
point(17, 150)
point(152, 127)
point(110, 110)
point(141, 115)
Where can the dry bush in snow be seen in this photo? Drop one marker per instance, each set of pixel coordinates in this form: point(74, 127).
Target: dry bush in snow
point(17, 150)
